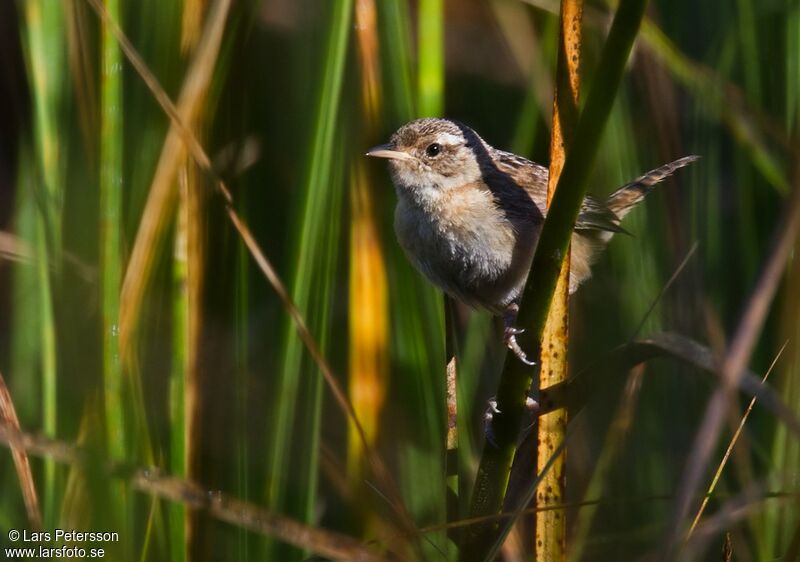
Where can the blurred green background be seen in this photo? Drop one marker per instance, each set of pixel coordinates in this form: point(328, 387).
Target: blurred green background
point(171, 349)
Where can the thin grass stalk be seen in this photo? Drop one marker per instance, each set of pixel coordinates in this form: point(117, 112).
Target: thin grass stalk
point(111, 186)
point(193, 401)
point(332, 234)
point(430, 53)
point(393, 20)
point(45, 42)
point(49, 363)
point(192, 377)
point(177, 387)
point(111, 254)
point(774, 529)
point(495, 465)
point(319, 196)
point(551, 527)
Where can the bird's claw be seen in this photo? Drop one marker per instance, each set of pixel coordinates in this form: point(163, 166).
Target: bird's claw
point(488, 430)
point(511, 342)
point(530, 404)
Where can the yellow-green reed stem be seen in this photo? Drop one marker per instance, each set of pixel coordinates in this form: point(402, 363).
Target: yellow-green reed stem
point(551, 527)
point(111, 258)
point(111, 134)
point(430, 53)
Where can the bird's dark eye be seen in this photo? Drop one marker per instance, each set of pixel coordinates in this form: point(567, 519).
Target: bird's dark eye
point(433, 149)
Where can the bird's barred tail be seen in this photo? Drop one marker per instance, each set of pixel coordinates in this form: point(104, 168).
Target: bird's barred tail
point(627, 196)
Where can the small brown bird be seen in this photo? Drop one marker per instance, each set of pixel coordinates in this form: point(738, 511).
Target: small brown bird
point(469, 216)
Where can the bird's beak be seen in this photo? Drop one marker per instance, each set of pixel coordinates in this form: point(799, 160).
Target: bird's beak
point(386, 151)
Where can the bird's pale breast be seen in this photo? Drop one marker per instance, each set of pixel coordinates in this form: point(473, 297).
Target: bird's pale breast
point(464, 244)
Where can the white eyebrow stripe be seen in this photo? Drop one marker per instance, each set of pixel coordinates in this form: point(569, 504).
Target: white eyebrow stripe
point(450, 139)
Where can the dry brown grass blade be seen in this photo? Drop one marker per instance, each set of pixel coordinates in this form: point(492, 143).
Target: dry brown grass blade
point(735, 361)
point(8, 415)
point(732, 443)
point(218, 505)
point(162, 199)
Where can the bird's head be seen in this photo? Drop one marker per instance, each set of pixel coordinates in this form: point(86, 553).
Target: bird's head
point(430, 156)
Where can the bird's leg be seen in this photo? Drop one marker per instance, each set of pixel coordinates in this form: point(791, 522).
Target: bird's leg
point(510, 333)
point(509, 338)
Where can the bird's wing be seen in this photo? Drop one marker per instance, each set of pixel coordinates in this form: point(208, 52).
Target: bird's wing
point(595, 215)
point(532, 177)
point(528, 175)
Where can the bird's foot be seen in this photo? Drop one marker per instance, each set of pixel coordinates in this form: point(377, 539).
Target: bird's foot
point(531, 405)
point(510, 339)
